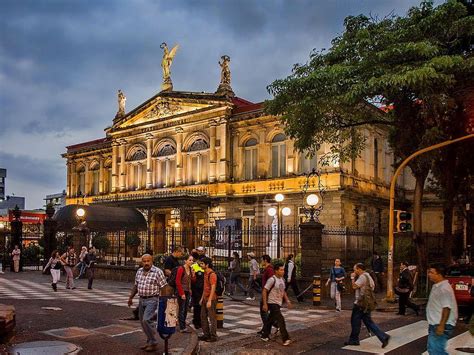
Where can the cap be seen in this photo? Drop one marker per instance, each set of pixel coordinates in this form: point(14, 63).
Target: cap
point(201, 248)
point(252, 254)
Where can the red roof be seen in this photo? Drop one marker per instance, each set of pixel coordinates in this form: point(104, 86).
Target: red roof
point(238, 101)
point(87, 144)
point(248, 108)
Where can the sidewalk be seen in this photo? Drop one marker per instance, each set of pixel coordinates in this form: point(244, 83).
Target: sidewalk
point(95, 327)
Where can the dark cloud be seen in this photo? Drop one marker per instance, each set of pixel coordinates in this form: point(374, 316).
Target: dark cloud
point(61, 62)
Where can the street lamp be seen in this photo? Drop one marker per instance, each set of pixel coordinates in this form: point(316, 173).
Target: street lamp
point(82, 227)
point(314, 201)
point(272, 212)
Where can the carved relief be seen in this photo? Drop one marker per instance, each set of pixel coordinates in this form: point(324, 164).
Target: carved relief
point(162, 109)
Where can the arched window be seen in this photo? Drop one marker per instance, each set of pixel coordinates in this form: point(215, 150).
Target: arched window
point(165, 166)
point(198, 162)
point(81, 186)
point(139, 154)
point(250, 159)
point(95, 180)
point(306, 163)
point(279, 155)
point(198, 144)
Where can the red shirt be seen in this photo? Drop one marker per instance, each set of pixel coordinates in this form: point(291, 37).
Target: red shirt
point(184, 283)
point(267, 274)
point(210, 278)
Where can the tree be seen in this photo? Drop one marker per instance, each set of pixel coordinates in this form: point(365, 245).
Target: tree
point(415, 66)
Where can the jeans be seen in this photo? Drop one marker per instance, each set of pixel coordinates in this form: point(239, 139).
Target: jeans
point(69, 276)
point(147, 307)
point(56, 275)
point(437, 343)
point(82, 269)
point(335, 294)
point(209, 330)
point(183, 310)
point(235, 281)
point(91, 272)
point(275, 316)
point(404, 302)
point(252, 285)
point(358, 316)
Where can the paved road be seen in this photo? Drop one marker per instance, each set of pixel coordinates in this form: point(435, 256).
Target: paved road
point(91, 318)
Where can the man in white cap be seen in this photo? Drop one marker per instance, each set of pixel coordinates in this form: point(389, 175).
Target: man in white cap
point(254, 270)
point(201, 251)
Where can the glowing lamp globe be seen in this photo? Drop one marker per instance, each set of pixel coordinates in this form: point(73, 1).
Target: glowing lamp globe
point(286, 211)
point(279, 197)
point(272, 211)
point(80, 212)
point(312, 200)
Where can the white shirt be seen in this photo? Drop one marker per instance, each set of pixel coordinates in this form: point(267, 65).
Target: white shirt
point(441, 296)
point(276, 286)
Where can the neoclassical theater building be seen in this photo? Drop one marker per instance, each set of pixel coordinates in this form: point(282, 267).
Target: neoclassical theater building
point(194, 158)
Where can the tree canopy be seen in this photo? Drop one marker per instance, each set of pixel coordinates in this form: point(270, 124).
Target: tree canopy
point(416, 66)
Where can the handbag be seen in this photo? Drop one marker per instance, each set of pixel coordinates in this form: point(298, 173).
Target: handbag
point(399, 290)
point(340, 287)
point(367, 301)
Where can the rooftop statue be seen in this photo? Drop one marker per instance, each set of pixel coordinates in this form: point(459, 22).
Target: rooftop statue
point(121, 98)
point(225, 70)
point(224, 88)
point(166, 65)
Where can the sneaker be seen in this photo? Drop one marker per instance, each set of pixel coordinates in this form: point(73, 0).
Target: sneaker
point(260, 332)
point(250, 298)
point(265, 338)
point(338, 309)
point(287, 342)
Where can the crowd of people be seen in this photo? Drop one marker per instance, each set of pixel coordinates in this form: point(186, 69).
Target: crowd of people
point(68, 262)
point(196, 286)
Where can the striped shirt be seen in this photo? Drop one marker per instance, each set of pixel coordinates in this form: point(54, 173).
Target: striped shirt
point(149, 282)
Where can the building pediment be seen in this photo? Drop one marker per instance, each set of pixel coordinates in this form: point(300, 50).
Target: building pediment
point(166, 106)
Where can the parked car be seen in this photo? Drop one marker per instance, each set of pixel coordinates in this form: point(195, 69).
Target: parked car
point(461, 279)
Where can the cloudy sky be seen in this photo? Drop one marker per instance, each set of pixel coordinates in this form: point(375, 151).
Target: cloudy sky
point(62, 62)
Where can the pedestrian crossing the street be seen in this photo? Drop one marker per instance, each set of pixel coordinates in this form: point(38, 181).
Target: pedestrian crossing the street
point(25, 289)
point(241, 318)
point(407, 334)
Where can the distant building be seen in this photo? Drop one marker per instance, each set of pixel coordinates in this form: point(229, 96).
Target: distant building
point(3, 175)
point(11, 202)
point(58, 200)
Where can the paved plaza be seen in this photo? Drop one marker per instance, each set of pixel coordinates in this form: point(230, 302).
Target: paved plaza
point(92, 319)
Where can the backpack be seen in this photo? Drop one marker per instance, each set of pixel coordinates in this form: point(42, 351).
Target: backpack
point(221, 281)
point(367, 301)
point(172, 277)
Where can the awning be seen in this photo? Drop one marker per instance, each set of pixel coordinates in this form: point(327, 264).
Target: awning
point(101, 218)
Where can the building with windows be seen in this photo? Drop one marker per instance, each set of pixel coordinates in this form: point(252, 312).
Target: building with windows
point(191, 158)
point(58, 200)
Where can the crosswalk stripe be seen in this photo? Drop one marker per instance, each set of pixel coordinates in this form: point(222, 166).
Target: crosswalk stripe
point(399, 337)
point(464, 340)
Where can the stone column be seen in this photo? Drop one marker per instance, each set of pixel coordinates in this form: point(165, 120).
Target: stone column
point(101, 176)
point(114, 167)
point(73, 179)
point(50, 228)
point(87, 179)
point(149, 167)
point(122, 173)
point(311, 249)
point(223, 150)
point(179, 157)
point(68, 177)
point(212, 151)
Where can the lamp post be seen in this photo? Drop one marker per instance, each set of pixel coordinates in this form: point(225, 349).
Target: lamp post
point(314, 201)
point(272, 212)
point(82, 227)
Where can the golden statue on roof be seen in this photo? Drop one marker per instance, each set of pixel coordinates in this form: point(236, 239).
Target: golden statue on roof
point(166, 62)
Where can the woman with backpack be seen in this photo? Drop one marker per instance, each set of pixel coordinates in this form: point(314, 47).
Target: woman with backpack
point(290, 277)
point(55, 265)
point(184, 277)
point(403, 289)
point(235, 275)
point(337, 275)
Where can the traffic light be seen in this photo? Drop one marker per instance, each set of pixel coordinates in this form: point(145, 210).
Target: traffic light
point(403, 221)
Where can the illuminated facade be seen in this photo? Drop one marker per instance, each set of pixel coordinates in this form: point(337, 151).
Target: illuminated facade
point(193, 158)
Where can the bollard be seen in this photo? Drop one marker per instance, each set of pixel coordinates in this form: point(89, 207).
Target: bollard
point(220, 312)
point(316, 290)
